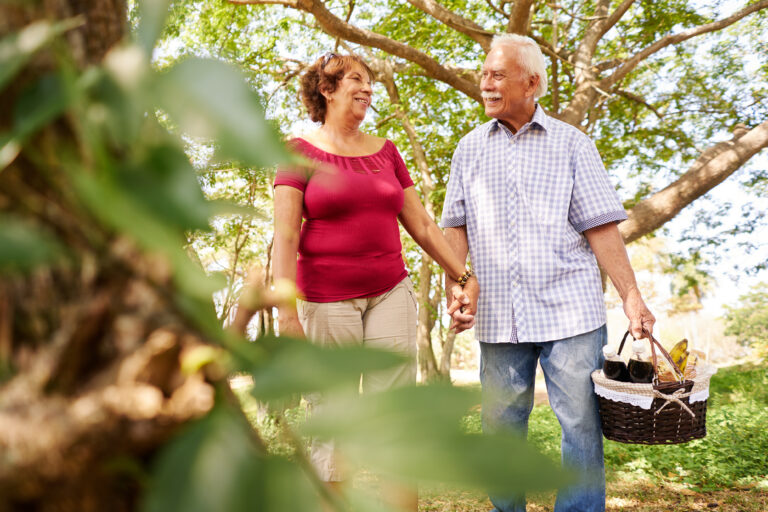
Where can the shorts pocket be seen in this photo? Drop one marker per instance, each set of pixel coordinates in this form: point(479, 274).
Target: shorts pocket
point(411, 292)
point(305, 309)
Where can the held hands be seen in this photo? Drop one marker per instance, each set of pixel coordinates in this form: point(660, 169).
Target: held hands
point(641, 320)
point(462, 304)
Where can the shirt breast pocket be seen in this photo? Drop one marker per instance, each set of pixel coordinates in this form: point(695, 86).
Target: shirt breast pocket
point(546, 193)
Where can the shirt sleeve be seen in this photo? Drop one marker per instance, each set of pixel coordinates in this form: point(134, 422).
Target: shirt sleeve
point(454, 213)
point(401, 171)
point(293, 176)
point(594, 201)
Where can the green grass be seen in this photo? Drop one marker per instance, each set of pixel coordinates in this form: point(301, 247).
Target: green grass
point(733, 454)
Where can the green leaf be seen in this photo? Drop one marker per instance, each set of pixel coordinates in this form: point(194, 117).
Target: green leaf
point(24, 246)
point(43, 101)
point(165, 182)
point(298, 366)
point(125, 213)
point(152, 16)
point(415, 433)
point(214, 466)
point(117, 110)
point(211, 100)
point(16, 49)
point(224, 208)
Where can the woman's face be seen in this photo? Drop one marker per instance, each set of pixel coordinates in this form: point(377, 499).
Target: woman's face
point(352, 96)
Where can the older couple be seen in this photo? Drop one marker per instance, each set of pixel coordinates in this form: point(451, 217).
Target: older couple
point(528, 198)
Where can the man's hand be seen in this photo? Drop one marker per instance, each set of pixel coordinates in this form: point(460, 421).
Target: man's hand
point(462, 305)
point(641, 320)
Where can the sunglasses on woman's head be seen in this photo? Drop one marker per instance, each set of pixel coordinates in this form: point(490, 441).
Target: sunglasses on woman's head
point(327, 57)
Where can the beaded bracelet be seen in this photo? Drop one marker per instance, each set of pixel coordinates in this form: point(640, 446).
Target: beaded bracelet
point(463, 278)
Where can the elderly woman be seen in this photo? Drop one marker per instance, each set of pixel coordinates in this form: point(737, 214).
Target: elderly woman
point(350, 270)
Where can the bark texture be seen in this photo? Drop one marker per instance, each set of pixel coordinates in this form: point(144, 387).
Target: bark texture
point(92, 347)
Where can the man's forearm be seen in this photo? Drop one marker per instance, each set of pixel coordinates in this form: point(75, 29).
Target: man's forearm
point(611, 254)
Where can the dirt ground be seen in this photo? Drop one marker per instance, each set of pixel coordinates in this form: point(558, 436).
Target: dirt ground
point(621, 497)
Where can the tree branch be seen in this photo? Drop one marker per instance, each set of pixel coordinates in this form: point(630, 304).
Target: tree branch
point(456, 22)
point(709, 170)
point(497, 9)
point(585, 75)
point(671, 39)
point(615, 16)
point(586, 50)
point(608, 64)
point(520, 18)
point(336, 27)
point(639, 99)
point(384, 71)
point(286, 3)
point(548, 49)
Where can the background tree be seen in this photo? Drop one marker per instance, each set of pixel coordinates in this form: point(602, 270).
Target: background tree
point(748, 320)
point(670, 91)
point(114, 365)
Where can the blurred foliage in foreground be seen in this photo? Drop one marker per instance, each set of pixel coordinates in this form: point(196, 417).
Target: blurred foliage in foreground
point(126, 182)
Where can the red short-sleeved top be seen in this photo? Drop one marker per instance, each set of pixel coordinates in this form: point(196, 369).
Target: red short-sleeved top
point(350, 241)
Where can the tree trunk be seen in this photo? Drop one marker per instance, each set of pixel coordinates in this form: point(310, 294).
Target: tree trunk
point(445, 360)
point(430, 371)
point(91, 349)
point(426, 356)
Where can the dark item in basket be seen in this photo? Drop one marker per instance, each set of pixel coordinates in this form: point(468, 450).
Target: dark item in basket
point(616, 370)
point(672, 419)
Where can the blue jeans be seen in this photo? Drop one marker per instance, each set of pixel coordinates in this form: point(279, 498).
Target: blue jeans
point(507, 373)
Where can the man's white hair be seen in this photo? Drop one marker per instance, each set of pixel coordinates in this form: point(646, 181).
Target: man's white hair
point(528, 56)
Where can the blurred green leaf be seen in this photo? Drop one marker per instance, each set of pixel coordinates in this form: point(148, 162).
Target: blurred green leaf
point(152, 15)
point(415, 433)
point(40, 103)
point(215, 466)
point(16, 49)
point(223, 208)
point(211, 99)
point(23, 246)
point(123, 210)
point(43, 101)
point(298, 366)
point(166, 183)
point(118, 111)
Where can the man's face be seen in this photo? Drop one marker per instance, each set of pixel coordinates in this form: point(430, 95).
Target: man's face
point(506, 90)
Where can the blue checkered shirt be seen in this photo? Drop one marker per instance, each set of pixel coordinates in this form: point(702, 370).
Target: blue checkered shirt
point(526, 199)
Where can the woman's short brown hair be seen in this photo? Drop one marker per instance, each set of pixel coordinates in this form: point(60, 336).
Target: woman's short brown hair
point(325, 74)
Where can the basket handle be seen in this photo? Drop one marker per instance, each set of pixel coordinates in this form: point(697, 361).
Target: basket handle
point(653, 341)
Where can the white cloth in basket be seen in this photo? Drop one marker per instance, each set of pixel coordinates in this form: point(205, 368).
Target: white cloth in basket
point(642, 395)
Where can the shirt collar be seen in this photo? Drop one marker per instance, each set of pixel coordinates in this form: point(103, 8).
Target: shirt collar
point(540, 118)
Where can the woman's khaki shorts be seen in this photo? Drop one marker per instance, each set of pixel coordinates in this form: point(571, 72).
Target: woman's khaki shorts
point(388, 322)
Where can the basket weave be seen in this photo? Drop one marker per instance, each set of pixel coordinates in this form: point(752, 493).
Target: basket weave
point(677, 413)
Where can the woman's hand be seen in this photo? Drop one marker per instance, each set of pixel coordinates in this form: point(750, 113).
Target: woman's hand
point(462, 304)
point(288, 323)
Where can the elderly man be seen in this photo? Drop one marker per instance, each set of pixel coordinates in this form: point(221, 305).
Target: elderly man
point(530, 200)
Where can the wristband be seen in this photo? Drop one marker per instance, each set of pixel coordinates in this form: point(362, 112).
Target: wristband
point(463, 278)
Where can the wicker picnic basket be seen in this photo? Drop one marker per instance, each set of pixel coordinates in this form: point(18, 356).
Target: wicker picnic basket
point(657, 413)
